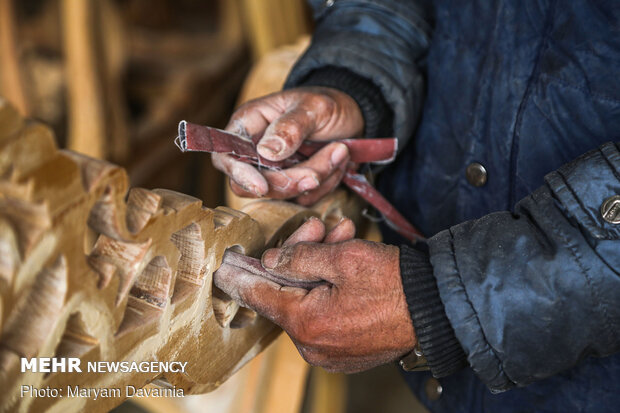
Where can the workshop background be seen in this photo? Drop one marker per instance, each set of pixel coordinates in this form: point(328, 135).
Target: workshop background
point(113, 78)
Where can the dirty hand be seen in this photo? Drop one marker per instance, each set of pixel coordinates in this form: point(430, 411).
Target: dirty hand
point(287, 118)
point(357, 320)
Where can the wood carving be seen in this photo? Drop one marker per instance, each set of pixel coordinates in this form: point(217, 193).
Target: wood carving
point(89, 270)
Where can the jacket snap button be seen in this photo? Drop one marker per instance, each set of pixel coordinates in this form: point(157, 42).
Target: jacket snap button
point(476, 174)
point(433, 389)
point(329, 3)
point(610, 210)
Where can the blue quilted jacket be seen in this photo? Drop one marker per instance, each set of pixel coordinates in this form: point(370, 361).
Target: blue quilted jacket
point(526, 261)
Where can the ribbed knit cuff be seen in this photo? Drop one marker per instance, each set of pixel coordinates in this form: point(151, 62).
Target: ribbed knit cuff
point(378, 115)
point(433, 330)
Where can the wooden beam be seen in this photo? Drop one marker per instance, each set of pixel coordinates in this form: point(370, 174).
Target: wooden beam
point(112, 40)
point(273, 23)
point(11, 75)
point(86, 112)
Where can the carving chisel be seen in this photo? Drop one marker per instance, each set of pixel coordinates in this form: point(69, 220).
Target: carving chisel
point(254, 266)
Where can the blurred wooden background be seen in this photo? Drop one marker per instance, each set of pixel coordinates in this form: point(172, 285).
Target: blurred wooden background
point(115, 77)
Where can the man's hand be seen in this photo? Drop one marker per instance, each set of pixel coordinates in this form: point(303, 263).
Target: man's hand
point(288, 118)
point(357, 320)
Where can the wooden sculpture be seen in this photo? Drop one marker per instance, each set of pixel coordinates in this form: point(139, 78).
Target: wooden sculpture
point(91, 271)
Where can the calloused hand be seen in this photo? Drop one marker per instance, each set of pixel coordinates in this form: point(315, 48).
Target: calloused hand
point(287, 118)
point(357, 320)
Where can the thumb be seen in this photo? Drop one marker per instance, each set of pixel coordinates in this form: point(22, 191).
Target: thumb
point(305, 261)
point(269, 299)
point(285, 134)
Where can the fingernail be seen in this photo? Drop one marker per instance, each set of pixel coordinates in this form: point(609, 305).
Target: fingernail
point(250, 188)
point(308, 184)
point(339, 154)
point(270, 258)
point(273, 146)
point(254, 189)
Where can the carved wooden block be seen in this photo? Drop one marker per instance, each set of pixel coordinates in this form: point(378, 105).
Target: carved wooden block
point(92, 271)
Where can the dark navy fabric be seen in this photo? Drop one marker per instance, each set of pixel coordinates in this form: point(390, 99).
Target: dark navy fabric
point(527, 269)
point(589, 387)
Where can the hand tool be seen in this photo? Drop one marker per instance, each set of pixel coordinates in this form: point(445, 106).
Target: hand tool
point(198, 138)
point(254, 266)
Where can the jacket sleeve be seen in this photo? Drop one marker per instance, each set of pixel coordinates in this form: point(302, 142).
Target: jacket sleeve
point(531, 293)
point(384, 41)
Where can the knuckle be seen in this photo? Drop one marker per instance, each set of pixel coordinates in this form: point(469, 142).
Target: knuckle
point(357, 243)
point(350, 252)
point(320, 103)
point(307, 171)
point(280, 180)
point(355, 247)
point(290, 129)
point(237, 117)
point(247, 107)
point(305, 174)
